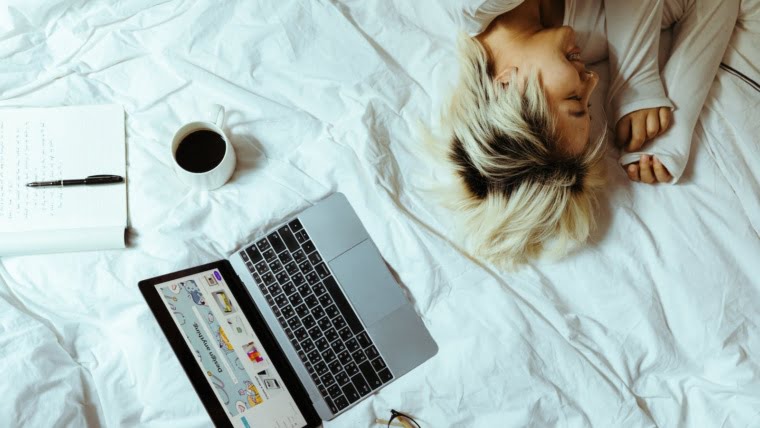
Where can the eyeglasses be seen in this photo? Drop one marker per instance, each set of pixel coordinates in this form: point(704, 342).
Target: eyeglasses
point(399, 419)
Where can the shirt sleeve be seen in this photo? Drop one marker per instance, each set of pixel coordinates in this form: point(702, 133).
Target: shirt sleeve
point(473, 16)
point(633, 38)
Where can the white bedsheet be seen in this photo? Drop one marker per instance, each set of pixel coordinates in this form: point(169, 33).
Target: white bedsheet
point(655, 323)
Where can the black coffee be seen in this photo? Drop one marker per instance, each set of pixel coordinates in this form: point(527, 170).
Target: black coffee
point(200, 151)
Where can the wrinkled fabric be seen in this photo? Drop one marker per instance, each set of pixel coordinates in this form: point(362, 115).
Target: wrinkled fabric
point(654, 323)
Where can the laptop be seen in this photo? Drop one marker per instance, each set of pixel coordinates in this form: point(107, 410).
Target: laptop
point(293, 328)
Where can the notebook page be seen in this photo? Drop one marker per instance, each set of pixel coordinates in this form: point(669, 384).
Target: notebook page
point(53, 144)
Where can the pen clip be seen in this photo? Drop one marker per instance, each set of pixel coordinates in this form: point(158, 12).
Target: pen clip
point(100, 176)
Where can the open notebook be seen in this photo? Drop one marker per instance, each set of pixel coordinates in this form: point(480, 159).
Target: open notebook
point(43, 144)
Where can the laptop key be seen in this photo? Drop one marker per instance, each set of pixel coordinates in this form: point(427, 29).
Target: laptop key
point(330, 404)
point(311, 301)
point(301, 236)
point(285, 257)
point(304, 290)
point(281, 300)
point(322, 344)
point(352, 345)
point(302, 310)
point(307, 345)
point(289, 288)
point(338, 346)
point(305, 266)
point(371, 352)
point(270, 300)
point(262, 245)
point(299, 256)
point(345, 334)
point(342, 379)
point(295, 225)
point(308, 321)
point(298, 279)
point(378, 364)
point(317, 311)
point(274, 289)
point(385, 375)
point(339, 322)
point(351, 368)
point(254, 254)
point(295, 299)
point(269, 255)
point(332, 311)
point(361, 385)
point(341, 402)
point(325, 300)
point(308, 247)
point(301, 354)
point(315, 333)
point(276, 311)
point(322, 270)
point(291, 267)
point(289, 333)
point(334, 390)
point(294, 323)
point(329, 356)
point(301, 334)
point(315, 258)
point(345, 357)
point(276, 266)
point(318, 289)
point(350, 392)
point(363, 339)
point(288, 238)
point(322, 389)
point(359, 356)
point(268, 278)
point(331, 334)
point(313, 355)
point(369, 374)
point(324, 323)
point(335, 367)
point(321, 368)
point(276, 242)
point(343, 305)
point(327, 379)
point(261, 267)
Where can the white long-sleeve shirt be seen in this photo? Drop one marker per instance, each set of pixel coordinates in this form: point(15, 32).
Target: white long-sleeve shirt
point(623, 31)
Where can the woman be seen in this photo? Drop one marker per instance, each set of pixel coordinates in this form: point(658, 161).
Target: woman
point(526, 168)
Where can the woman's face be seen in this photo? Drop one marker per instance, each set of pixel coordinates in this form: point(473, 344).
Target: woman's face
point(552, 52)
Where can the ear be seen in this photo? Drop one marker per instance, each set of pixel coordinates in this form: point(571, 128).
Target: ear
point(506, 75)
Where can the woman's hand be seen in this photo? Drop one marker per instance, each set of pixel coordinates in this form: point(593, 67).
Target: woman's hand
point(640, 126)
point(648, 170)
point(637, 128)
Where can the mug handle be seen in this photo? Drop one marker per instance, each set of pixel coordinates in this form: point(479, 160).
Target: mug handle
point(216, 115)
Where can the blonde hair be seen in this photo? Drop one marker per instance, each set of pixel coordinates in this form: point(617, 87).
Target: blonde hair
point(518, 195)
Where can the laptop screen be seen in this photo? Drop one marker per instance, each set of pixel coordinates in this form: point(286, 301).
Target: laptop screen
point(228, 351)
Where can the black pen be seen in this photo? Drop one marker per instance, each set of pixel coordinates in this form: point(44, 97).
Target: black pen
point(89, 181)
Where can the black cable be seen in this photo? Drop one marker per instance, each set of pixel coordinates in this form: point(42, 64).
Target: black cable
point(741, 75)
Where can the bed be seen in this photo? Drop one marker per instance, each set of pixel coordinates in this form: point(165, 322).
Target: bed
point(655, 323)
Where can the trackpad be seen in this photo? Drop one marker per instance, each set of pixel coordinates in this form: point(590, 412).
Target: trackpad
point(367, 282)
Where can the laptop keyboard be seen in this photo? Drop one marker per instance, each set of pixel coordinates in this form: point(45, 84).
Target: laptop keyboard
point(316, 316)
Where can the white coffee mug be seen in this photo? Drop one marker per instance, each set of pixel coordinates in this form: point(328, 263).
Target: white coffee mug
point(217, 175)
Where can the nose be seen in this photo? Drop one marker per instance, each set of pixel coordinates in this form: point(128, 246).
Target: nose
point(590, 79)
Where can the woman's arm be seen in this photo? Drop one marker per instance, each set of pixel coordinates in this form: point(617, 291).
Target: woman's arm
point(633, 39)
